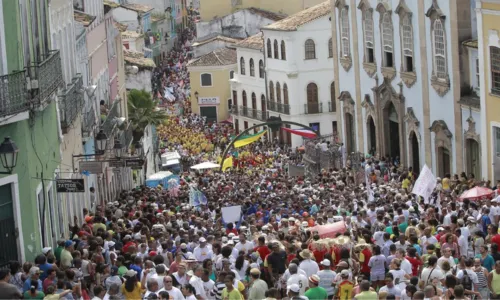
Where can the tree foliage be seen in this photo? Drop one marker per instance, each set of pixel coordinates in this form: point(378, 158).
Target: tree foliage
point(143, 110)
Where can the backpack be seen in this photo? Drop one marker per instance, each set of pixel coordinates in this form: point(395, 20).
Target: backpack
point(466, 282)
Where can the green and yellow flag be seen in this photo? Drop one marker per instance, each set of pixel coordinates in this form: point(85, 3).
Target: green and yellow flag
point(248, 139)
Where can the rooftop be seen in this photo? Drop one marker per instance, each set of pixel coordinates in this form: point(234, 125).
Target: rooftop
point(267, 14)
point(293, 22)
point(253, 42)
point(215, 38)
point(219, 57)
point(121, 27)
point(138, 59)
point(111, 4)
point(471, 44)
point(140, 8)
point(129, 34)
point(83, 18)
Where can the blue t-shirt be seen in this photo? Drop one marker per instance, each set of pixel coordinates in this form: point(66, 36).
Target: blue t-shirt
point(138, 270)
point(27, 285)
point(488, 262)
point(486, 221)
point(45, 267)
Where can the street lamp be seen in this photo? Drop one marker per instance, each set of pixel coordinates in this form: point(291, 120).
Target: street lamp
point(138, 148)
point(8, 155)
point(196, 94)
point(101, 141)
point(118, 147)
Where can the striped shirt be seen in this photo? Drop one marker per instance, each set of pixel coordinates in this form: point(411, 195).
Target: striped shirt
point(217, 290)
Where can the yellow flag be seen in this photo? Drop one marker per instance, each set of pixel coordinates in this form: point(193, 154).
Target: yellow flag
point(228, 163)
point(243, 141)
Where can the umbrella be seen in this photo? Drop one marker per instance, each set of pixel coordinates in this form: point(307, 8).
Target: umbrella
point(477, 193)
point(205, 165)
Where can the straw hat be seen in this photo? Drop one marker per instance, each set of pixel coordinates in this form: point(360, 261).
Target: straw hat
point(305, 253)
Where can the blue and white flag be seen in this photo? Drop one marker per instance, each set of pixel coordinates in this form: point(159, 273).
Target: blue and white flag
point(196, 197)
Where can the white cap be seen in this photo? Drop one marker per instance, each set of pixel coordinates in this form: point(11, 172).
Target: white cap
point(202, 240)
point(325, 262)
point(294, 288)
point(46, 250)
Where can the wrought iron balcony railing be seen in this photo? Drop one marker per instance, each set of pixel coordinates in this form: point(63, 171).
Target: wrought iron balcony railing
point(89, 121)
point(313, 108)
point(234, 110)
point(278, 107)
point(253, 113)
point(46, 75)
point(332, 106)
point(71, 102)
point(13, 93)
point(109, 123)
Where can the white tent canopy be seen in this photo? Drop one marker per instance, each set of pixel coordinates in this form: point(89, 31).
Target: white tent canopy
point(205, 165)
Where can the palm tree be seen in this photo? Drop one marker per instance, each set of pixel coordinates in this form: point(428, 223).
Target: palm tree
point(143, 111)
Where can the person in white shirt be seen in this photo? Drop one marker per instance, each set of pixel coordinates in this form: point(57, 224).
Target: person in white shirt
point(472, 276)
point(308, 265)
point(432, 272)
point(202, 252)
point(427, 239)
point(446, 257)
point(463, 244)
point(174, 292)
point(113, 291)
point(99, 293)
point(197, 283)
point(243, 245)
point(152, 287)
point(180, 276)
point(326, 277)
point(296, 278)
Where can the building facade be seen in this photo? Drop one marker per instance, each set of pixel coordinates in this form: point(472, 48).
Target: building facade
point(488, 29)
point(399, 79)
point(299, 68)
point(31, 77)
point(209, 77)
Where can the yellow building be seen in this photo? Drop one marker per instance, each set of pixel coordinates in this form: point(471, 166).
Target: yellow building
point(217, 8)
point(210, 90)
point(488, 30)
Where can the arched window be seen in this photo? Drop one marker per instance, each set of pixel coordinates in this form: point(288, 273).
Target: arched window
point(278, 92)
point(312, 99)
point(271, 91)
point(242, 66)
point(330, 48)
point(244, 97)
point(408, 44)
point(344, 32)
point(269, 51)
point(231, 74)
point(261, 69)
point(333, 103)
point(439, 49)
point(285, 94)
point(368, 26)
point(387, 40)
point(283, 50)
point(252, 68)
point(206, 79)
point(276, 50)
point(310, 49)
point(263, 102)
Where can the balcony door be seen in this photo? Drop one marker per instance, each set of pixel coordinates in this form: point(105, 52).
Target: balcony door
point(312, 99)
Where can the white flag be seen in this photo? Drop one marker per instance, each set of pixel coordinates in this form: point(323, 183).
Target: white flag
point(425, 184)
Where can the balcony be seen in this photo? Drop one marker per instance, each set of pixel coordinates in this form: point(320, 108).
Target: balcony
point(89, 121)
point(253, 113)
point(313, 108)
point(109, 123)
point(46, 76)
point(13, 93)
point(332, 106)
point(234, 110)
point(278, 107)
point(71, 102)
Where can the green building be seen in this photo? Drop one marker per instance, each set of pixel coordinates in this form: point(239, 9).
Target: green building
point(30, 78)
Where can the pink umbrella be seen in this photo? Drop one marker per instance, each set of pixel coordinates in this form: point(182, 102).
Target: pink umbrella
point(477, 193)
point(329, 230)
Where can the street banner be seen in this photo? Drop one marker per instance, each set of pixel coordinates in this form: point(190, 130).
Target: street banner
point(231, 214)
point(425, 184)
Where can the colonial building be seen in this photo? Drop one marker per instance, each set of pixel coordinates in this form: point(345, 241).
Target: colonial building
point(399, 79)
point(298, 62)
point(488, 29)
point(209, 77)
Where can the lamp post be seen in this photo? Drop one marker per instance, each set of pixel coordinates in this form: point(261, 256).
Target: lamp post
point(196, 94)
point(101, 142)
point(138, 148)
point(118, 148)
point(8, 155)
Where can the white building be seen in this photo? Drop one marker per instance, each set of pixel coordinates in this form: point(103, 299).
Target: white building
point(211, 43)
point(399, 79)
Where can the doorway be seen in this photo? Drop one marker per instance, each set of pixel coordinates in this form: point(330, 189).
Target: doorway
point(391, 121)
point(414, 151)
point(210, 112)
point(473, 162)
point(349, 133)
point(8, 247)
point(372, 136)
point(444, 161)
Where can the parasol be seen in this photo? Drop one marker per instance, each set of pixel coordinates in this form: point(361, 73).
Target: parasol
point(205, 165)
point(477, 193)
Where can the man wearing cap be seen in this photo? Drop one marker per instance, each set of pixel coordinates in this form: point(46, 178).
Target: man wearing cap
point(326, 277)
point(294, 292)
point(202, 252)
point(66, 257)
point(258, 287)
point(296, 278)
point(308, 265)
point(315, 291)
point(345, 286)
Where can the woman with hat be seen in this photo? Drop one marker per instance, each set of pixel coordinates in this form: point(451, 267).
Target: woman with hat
point(131, 288)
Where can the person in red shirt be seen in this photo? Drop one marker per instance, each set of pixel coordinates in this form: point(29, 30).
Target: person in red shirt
point(128, 243)
point(364, 257)
point(496, 237)
point(262, 249)
point(414, 260)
